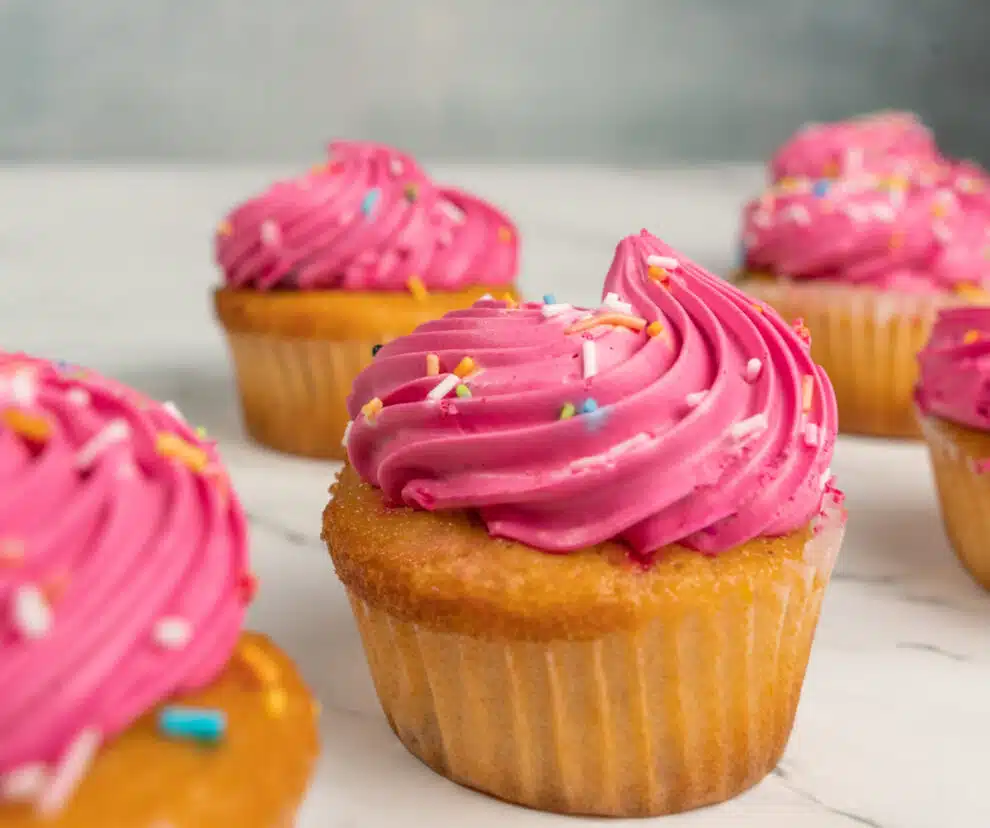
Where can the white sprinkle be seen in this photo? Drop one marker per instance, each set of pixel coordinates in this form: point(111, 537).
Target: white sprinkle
point(173, 409)
point(550, 311)
point(797, 213)
point(666, 262)
point(21, 387)
point(883, 211)
point(695, 398)
point(78, 397)
point(396, 168)
point(749, 427)
point(32, 615)
point(614, 303)
point(444, 387)
point(172, 633)
point(116, 431)
point(753, 369)
point(487, 298)
point(589, 354)
point(270, 234)
point(69, 772)
point(23, 784)
point(347, 433)
point(811, 435)
point(452, 211)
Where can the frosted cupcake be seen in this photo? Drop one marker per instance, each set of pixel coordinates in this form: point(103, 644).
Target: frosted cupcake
point(130, 695)
point(322, 269)
point(865, 232)
point(586, 549)
point(953, 397)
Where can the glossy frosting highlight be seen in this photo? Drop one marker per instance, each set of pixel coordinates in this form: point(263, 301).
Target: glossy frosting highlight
point(368, 219)
point(954, 381)
point(679, 411)
point(123, 567)
point(872, 202)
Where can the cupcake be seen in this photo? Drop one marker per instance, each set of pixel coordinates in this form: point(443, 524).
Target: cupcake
point(130, 695)
point(586, 549)
point(953, 398)
point(321, 270)
point(865, 232)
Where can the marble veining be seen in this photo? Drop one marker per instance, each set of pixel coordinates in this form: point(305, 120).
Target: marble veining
point(111, 268)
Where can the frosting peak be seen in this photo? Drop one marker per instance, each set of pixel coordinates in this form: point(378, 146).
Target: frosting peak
point(678, 411)
point(368, 219)
point(123, 562)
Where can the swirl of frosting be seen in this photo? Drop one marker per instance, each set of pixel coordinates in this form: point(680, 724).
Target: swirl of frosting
point(123, 563)
point(369, 219)
point(890, 213)
point(679, 411)
point(954, 381)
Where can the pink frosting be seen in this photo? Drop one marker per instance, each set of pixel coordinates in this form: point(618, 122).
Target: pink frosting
point(871, 202)
point(369, 219)
point(954, 366)
point(123, 571)
point(709, 428)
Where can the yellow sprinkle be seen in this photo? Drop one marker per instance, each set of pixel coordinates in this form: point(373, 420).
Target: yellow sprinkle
point(201, 432)
point(417, 288)
point(788, 183)
point(510, 300)
point(654, 328)
point(619, 320)
point(971, 337)
point(504, 234)
point(174, 447)
point(464, 367)
point(30, 426)
point(807, 392)
point(567, 411)
point(432, 365)
point(972, 293)
point(224, 228)
point(372, 408)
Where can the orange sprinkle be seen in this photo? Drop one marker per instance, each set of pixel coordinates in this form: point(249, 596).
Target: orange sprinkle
point(509, 299)
point(619, 320)
point(432, 365)
point(504, 234)
point(225, 228)
point(372, 408)
point(971, 337)
point(972, 293)
point(30, 426)
point(658, 274)
point(464, 367)
point(831, 170)
point(174, 447)
point(896, 240)
point(417, 288)
point(757, 308)
point(654, 328)
point(807, 392)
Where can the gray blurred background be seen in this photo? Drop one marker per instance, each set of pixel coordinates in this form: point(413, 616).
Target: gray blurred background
point(612, 81)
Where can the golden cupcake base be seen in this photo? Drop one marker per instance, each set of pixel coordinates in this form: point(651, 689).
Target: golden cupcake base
point(297, 353)
point(581, 683)
point(960, 460)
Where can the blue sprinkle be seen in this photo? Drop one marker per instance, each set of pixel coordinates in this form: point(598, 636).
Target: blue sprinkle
point(370, 200)
point(589, 406)
point(192, 724)
point(549, 299)
point(820, 188)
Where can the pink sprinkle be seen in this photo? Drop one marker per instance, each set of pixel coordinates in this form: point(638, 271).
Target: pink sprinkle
point(811, 435)
point(753, 369)
point(69, 772)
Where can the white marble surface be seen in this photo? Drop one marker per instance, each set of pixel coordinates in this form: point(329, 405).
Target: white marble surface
point(111, 268)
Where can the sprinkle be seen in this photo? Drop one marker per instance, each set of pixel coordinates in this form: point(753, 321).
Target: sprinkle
point(224, 228)
point(31, 427)
point(801, 330)
point(807, 392)
point(416, 287)
point(487, 298)
point(80, 397)
point(444, 387)
point(268, 674)
point(465, 367)
point(831, 169)
point(372, 409)
point(614, 303)
point(247, 586)
point(270, 234)
point(432, 365)
point(753, 369)
point(411, 192)
point(67, 775)
point(549, 299)
point(21, 387)
point(32, 615)
point(172, 633)
point(171, 408)
point(550, 311)
point(504, 234)
point(192, 724)
point(567, 411)
point(971, 292)
point(664, 262)
point(658, 274)
point(820, 188)
point(655, 328)
point(452, 211)
point(695, 398)
point(589, 406)
point(463, 392)
point(589, 355)
point(971, 336)
point(509, 300)
point(116, 431)
point(749, 427)
point(396, 167)
point(369, 201)
point(618, 320)
point(811, 434)
point(23, 784)
point(174, 447)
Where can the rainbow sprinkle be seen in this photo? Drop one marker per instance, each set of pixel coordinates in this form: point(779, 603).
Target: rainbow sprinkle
point(654, 329)
point(29, 426)
point(411, 192)
point(509, 300)
point(372, 409)
point(432, 365)
point(820, 188)
point(370, 200)
point(416, 287)
point(267, 672)
point(618, 320)
point(203, 725)
point(589, 406)
point(444, 387)
point(549, 299)
point(465, 367)
point(807, 392)
point(970, 337)
point(504, 234)
point(225, 228)
point(589, 357)
point(174, 447)
point(567, 411)
point(753, 369)
point(463, 392)
point(31, 612)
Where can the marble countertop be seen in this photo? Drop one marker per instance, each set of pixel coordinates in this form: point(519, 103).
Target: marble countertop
point(111, 268)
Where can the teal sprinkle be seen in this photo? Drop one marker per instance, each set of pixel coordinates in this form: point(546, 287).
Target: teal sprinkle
point(549, 299)
point(192, 724)
point(370, 200)
point(589, 406)
point(820, 188)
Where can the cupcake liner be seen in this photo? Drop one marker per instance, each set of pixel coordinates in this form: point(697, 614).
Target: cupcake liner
point(675, 714)
point(867, 341)
point(960, 460)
